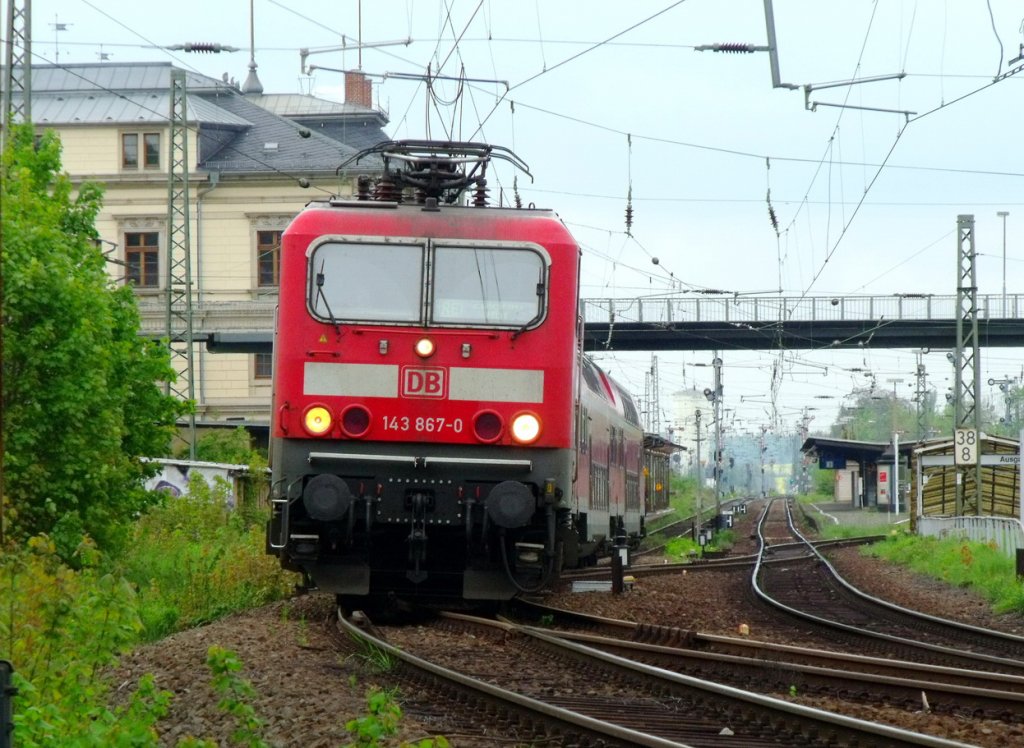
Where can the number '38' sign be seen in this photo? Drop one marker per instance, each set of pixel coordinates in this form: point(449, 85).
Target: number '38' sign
point(965, 447)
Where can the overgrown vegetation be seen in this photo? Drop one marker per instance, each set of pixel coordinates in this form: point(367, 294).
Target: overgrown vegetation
point(982, 567)
point(193, 560)
point(189, 561)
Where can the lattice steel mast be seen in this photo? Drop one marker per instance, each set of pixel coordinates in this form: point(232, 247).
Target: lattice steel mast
point(18, 72)
point(18, 62)
point(179, 261)
point(966, 361)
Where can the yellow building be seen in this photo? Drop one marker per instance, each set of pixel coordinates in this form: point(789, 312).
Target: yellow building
point(253, 161)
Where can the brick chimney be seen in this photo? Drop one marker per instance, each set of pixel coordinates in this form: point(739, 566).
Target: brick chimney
point(358, 89)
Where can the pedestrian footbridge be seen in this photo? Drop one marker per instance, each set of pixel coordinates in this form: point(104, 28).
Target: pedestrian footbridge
point(691, 322)
point(728, 322)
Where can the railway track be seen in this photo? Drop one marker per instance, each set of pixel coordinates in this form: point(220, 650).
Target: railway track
point(810, 589)
point(785, 669)
point(546, 687)
point(745, 561)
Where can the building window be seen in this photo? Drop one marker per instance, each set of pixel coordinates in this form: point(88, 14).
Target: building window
point(262, 365)
point(149, 158)
point(151, 145)
point(142, 258)
point(268, 258)
point(130, 150)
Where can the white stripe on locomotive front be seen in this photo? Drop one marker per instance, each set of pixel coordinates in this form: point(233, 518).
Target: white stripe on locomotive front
point(381, 380)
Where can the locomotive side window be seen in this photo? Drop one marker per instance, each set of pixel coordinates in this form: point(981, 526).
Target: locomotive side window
point(366, 282)
point(487, 286)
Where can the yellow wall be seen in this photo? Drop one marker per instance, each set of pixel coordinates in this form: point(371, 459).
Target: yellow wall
point(224, 219)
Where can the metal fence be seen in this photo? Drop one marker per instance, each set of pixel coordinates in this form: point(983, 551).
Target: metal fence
point(1007, 533)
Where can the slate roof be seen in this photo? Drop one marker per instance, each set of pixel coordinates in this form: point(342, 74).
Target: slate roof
point(348, 123)
point(236, 134)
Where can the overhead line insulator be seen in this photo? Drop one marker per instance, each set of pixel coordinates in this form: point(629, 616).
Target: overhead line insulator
point(203, 47)
point(735, 48)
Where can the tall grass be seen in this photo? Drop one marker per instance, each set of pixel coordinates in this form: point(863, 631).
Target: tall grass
point(962, 563)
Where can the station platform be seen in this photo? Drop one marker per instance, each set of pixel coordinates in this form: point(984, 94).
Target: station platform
point(843, 513)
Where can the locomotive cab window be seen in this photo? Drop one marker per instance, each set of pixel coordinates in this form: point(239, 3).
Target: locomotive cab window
point(366, 282)
point(450, 285)
point(487, 286)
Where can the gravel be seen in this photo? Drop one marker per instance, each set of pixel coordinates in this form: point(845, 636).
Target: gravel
point(306, 692)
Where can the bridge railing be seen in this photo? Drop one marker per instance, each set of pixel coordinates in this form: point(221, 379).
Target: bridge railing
point(724, 308)
point(258, 314)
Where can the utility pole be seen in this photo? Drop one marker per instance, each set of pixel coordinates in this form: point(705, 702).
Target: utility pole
point(716, 401)
point(700, 473)
point(763, 448)
point(651, 399)
point(920, 392)
point(804, 430)
point(1003, 214)
point(894, 479)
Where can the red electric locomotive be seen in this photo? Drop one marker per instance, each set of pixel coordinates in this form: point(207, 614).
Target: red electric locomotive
point(438, 433)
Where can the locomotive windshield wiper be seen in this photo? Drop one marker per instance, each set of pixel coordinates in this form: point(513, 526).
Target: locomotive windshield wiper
point(540, 312)
point(321, 295)
point(526, 326)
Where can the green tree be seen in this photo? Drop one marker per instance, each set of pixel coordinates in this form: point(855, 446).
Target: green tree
point(233, 446)
point(874, 415)
point(81, 399)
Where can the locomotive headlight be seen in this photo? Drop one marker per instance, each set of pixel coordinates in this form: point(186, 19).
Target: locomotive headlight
point(317, 420)
point(424, 348)
point(525, 428)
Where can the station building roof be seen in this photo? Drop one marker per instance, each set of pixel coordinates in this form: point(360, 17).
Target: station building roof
point(237, 132)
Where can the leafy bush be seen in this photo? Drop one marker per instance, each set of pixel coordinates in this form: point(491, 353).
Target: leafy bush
point(61, 627)
point(381, 722)
point(235, 693)
point(193, 561)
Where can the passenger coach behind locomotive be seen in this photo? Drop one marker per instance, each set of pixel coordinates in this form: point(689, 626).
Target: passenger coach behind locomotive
point(438, 433)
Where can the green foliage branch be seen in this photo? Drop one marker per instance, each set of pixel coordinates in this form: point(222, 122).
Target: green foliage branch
point(81, 401)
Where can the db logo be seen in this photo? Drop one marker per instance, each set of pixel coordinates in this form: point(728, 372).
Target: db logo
point(422, 382)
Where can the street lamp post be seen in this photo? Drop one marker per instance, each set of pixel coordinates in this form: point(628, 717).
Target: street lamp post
point(1003, 214)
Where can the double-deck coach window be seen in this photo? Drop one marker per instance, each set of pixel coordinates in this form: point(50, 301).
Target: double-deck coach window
point(446, 285)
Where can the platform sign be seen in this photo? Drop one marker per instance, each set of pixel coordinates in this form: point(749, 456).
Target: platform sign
point(965, 447)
